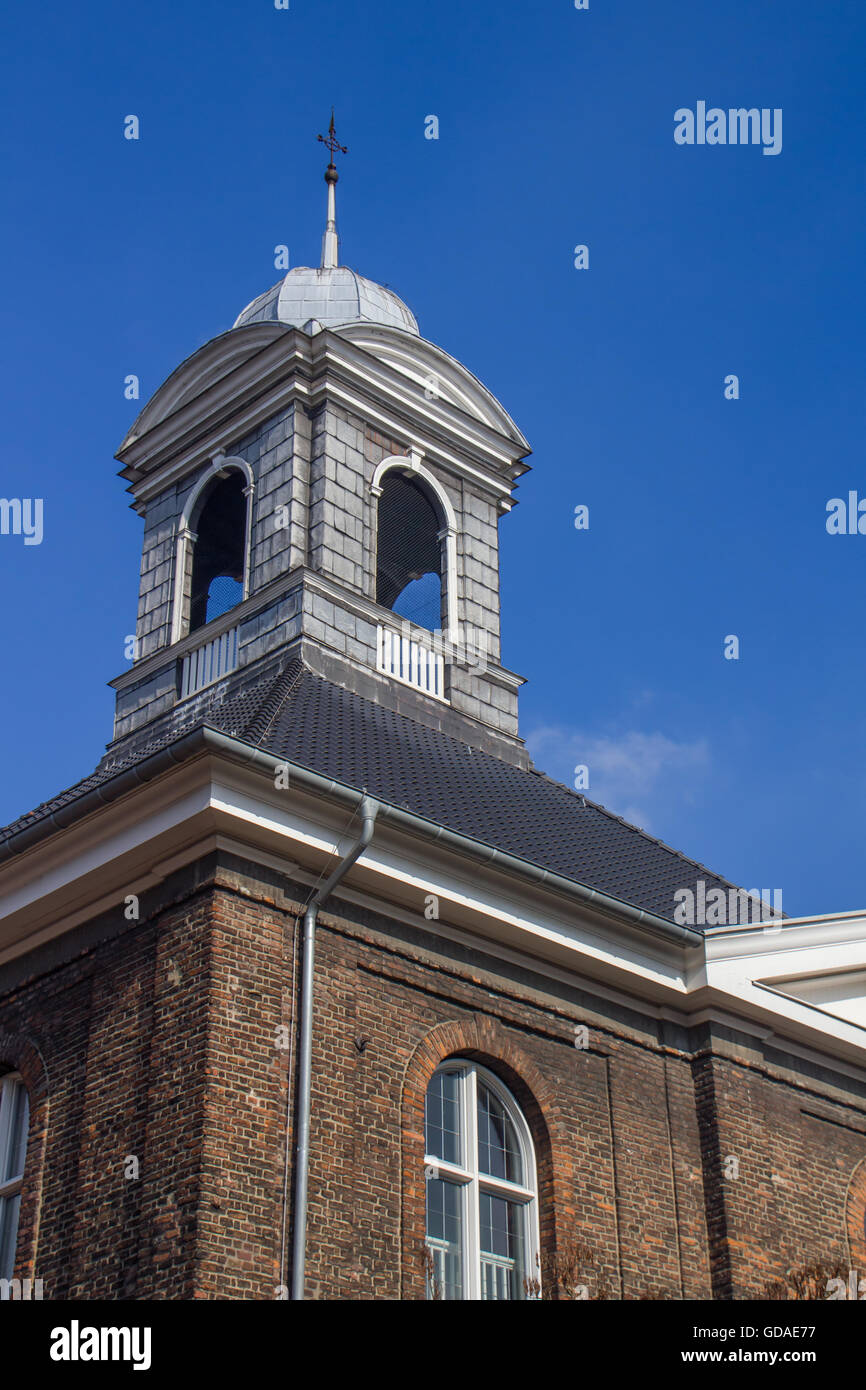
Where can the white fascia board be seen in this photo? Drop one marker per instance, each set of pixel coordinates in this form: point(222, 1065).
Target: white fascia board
point(845, 1002)
point(774, 939)
point(78, 871)
point(762, 968)
point(447, 931)
point(123, 843)
point(807, 948)
point(790, 1018)
point(75, 873)
point(75, 905)
point(683, 1015)
point(793, 963)
point(397, 869)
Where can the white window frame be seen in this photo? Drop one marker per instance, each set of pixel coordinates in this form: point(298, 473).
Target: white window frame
point(12, 1186)
point(472, 1183)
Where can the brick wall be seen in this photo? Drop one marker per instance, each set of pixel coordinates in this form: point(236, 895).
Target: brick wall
point(160, 1040)
point(784, 1157)
point(121, 1031)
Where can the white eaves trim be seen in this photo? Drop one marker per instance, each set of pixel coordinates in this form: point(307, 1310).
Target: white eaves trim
point(80, 871)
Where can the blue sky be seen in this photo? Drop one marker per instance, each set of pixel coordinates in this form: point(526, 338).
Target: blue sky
point(707, 516)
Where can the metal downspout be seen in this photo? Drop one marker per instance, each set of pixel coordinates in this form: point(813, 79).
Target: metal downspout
point(369, 809)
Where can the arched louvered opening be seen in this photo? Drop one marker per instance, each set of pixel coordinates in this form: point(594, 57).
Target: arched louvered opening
point(218, 554)
point(410, 568)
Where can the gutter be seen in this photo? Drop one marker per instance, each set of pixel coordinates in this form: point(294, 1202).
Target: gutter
point(368, 809)
point(206, 740)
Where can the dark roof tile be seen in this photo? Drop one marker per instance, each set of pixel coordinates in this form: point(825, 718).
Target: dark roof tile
point(287, 710)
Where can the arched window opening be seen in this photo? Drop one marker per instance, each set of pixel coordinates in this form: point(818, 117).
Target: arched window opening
point(218, 555)
point(482, 1218)
point(14, 1125)
point(409, 568)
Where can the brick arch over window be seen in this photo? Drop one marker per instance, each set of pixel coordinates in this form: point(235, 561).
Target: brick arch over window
point(18, 1053)
point(480, 1039)
point(855, 1218)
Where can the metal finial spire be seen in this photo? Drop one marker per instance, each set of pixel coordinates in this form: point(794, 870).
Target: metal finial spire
point(330, 242)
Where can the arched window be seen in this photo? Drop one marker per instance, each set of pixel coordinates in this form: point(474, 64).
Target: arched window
point(482, 1217)
point(14, 1124)
point(409, 564)
point(219, 551)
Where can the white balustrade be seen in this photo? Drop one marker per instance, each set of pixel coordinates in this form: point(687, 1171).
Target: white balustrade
point(414, 662)
point(209, 662)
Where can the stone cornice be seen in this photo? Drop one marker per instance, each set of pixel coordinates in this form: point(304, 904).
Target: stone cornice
point(221, 407)
point(165, 656)
point(299, 578)
point(362, 607)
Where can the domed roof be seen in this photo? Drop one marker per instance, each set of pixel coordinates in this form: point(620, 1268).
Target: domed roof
point(334, 295)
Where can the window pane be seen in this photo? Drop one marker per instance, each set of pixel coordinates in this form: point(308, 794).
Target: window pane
point(8, 1232)
point(14, 1117)
point(498, 1149)
point(442, 1111)
point(18, 1130)
point(502, 1252)
point(445, 1239)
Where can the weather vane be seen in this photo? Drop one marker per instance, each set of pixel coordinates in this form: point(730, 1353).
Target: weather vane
point(330, 140)
point(330, 241)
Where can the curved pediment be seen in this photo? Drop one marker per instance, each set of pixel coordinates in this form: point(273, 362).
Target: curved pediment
point(432, 369)
point(204, 369)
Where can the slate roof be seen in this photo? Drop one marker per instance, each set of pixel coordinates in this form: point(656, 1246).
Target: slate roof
point(295, 714)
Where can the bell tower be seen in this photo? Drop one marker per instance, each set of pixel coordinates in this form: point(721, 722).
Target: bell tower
point(322, 483)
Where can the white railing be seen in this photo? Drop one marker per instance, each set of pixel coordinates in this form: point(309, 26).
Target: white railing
point(497, 1277)
point(443, 1276)
point(413, 662)
point(209, 662)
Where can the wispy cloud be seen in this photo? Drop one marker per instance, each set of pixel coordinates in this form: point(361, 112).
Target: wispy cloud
point(634, 774)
